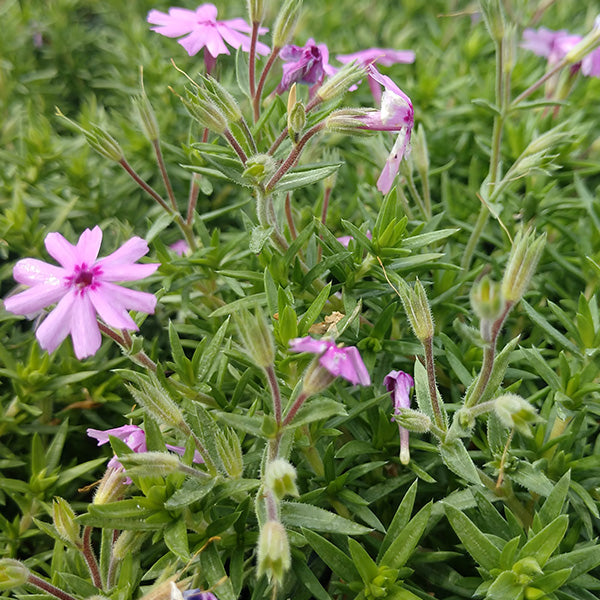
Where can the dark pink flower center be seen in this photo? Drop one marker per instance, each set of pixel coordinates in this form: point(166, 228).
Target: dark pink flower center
point(84, 276)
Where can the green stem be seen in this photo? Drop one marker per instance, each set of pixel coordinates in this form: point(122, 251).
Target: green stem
point(509, 498)
point(430, 366)
point(275, 393)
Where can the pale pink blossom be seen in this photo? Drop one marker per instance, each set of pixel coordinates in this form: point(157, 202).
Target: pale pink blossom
point(396, 114)
point(304, 64)
point(340, 361)
point(135, 438)
point(202, 30)
point(553, 45)
point(398, 383)
point(83, 286)
point(344, 240)
point(180, 247)
point(380, 56)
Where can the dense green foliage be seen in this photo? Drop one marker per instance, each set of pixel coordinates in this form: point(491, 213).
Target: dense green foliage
point(482, 509)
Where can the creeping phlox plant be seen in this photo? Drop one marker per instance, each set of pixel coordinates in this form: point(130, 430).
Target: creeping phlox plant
point(283, 411)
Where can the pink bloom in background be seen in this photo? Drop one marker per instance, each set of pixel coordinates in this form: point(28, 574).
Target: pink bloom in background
point(83, 287)
point(135, 438)
point(590, 65)
point(204, 31)
point(380, 56)
point(304, 64)
point(343, 362)
point(344, 240)
point(398, 383)
point(396, 114)
point(180, 247)
point(552, 45)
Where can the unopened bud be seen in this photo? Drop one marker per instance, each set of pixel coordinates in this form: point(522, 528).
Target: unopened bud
point(259, 167)
point(111, 486)
point(486, 299)
point(101, 141)
point(586, 45)
point(296, 115)
point(280, 478)
point(419, 151)
point(147, 117)
point(316, 378)
point(516, 412)
point(527, 566)
point(223, 99)
point(128, 543)
point(273, 551)
point(150, 463)
point(12, 574)
point(256, 10)
point(283, 30)
point(413, 420)
point(348, 121)
point(230, 453)
point(64, 521)
point(205, 112)
point(522, 262)
point(256, 336)
point(153, 397)
point(493, 17)
point(337, 85)
point(417, 310)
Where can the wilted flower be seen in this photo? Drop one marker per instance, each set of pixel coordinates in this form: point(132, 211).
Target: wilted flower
point(82, 286)
point(381, 56)
point(396, 114)
point(193, 594)
point(398, 383)
point(204, 31)
point(135, 438)
point(304, 64)
point(338, 361)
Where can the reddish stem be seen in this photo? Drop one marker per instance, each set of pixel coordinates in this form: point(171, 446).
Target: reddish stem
point(235, 145)
point(290, 217)
point(252, 57)
point(261, 82)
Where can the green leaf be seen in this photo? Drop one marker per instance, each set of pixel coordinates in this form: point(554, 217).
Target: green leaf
point(295, 514)
point(534, 358)
point(207, 362)
point(401, 518)
point(303, 176)
point(183, 365)
point(247, 302)
point(241, 73)
point(531, 478)
point(190, 492)
point(259, 237)
point(425, 239)
point(404, 544)
point(317, 409)
point(552, 581)
point(581, 561)
point(313, 311)
point(551, 331)
point(176, 539)
point(458, 460)
point(323, 266)
point(504, 587)
point(475, 542)
point(332, 556)
point(364, 564)
point(542, 545)
point(56, 447)
point(310, 581)
point(554, 503)
point(213, 570)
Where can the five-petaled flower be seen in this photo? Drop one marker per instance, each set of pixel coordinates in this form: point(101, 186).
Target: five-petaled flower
point(339, 361)
point(204, 31)
point(398, 383)
point(83, 285)
point(135, 438)
point(304, 64)
point(380, 56)
point(396, 114)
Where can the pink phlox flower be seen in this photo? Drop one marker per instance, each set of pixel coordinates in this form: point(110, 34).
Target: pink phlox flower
point(180, 247)
point(204, 31)
point(399, 383)
point(197, 594)
point(83, 286)
point(304, 64)
point(396, 114)
point(340, 361)
point(135, 438)
point(381, 56)
point(552, 45)
point(590, 65)
point(344, 240)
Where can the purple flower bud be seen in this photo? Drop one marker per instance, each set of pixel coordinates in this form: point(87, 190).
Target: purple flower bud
point(398, 383)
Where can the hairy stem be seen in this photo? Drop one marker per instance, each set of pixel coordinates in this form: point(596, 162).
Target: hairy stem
point(235, 145)
point(148, 189)
point(275, 393)
point(90, 557)
point(192, 198)
point(252, 57)
point(163, 172)
point(49, 588)
point(261, 82)
point(290, 217)
point(298, 402)
point(430, 366)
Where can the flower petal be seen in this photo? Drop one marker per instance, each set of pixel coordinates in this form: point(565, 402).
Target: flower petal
point(31, 271)
point(127, 272)
point(181, 451)
point(129, 252)
point(61, 250)
point(85, 332)
point(88, 245)
point(131, 299)
point(346, 363)
point(112, 312)
point(122, 433)
point(34, 299)
point(308, 344)
point(56, 326)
